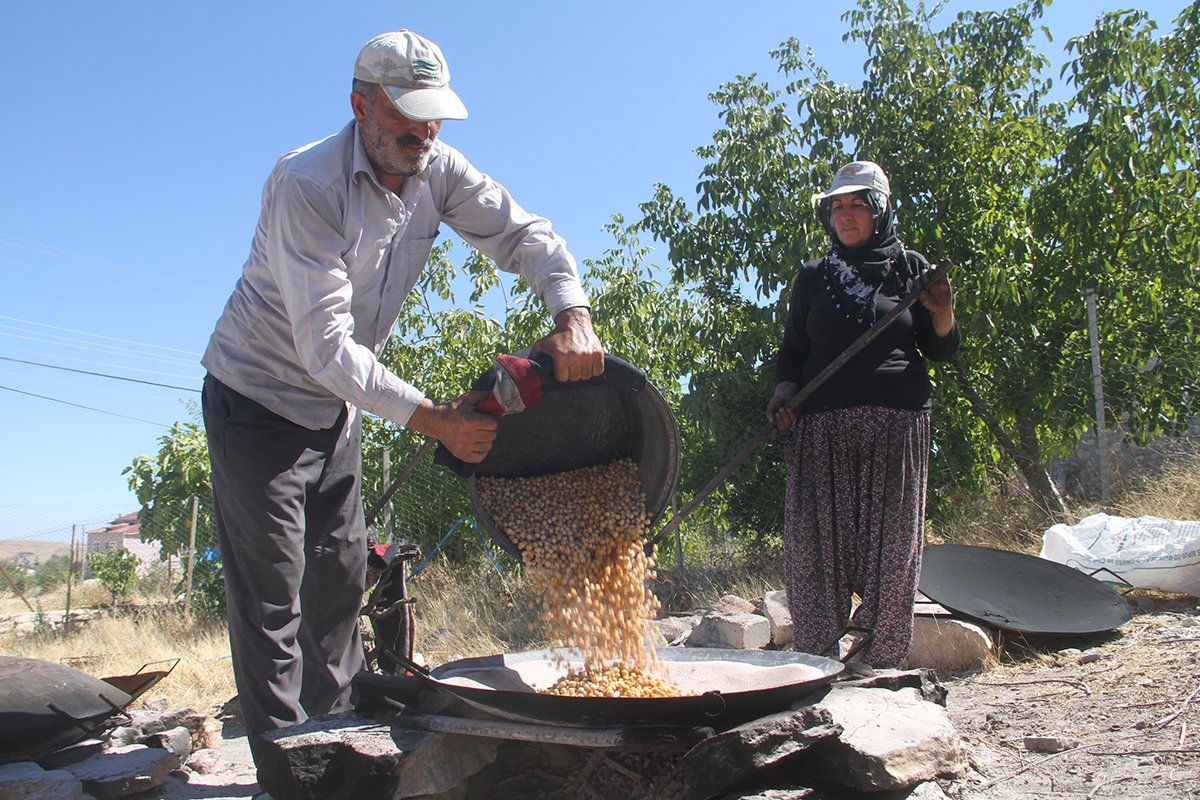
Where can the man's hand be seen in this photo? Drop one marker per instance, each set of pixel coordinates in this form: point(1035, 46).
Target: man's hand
point(465, 432)
point(778, 414)
point(573, 346)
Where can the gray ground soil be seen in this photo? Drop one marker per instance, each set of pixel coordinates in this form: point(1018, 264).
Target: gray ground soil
point(1130, 718)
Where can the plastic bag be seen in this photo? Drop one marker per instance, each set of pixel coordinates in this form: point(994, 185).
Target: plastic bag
point(1146, 552)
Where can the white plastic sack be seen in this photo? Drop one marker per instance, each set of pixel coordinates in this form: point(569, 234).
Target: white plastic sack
point(1146, 552)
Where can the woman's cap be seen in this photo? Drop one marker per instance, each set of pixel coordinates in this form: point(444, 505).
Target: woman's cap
point(856, 176)
point(413, 72)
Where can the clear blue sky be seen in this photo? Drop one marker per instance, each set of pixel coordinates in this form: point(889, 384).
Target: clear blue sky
point(136, 136)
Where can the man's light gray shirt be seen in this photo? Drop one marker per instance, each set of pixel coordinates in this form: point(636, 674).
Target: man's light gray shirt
point(334, 256)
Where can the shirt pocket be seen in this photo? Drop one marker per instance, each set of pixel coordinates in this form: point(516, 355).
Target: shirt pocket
point(415, 255)
point(408, 259)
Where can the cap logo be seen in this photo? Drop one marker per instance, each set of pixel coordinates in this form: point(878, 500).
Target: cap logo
point(424, 69)
point(848, 171)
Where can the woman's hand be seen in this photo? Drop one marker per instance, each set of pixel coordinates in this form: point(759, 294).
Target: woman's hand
point(938, 297)
point(778, 414)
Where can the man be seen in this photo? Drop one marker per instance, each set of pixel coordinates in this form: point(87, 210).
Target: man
point(346, 226)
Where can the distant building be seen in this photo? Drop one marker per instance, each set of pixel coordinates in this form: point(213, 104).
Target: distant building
point(124, 531)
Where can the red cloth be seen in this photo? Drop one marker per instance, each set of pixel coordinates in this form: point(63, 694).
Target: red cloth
point(518, 386)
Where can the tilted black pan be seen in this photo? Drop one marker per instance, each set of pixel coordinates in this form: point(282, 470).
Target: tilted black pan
point(521, 704)
point(1019, 592)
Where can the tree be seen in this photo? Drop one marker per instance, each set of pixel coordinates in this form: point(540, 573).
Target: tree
point(165, 485)
point(116, 569)
point(1034, 199)
point(18, 574)
point(53, 572)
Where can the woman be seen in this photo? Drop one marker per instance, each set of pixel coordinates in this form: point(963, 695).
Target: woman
point(858, 455)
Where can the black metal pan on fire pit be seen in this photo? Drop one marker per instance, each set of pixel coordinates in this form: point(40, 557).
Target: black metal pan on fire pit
point(724, 687)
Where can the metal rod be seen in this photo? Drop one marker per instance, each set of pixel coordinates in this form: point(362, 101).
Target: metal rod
point(641, 737)
point(400, 479)
point(856, 347)
point(13, 584)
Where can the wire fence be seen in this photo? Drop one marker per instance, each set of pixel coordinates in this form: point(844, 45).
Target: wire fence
point(48, 569)
point(744, 512)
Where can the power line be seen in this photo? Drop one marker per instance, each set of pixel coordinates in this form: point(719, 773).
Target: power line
point(98, 374)
point(24, 244)
point(36, 354)
point(103, 350)
point(85, 408)
point(98, 335)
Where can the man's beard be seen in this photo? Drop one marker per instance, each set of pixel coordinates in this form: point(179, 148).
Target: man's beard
point(387, 155)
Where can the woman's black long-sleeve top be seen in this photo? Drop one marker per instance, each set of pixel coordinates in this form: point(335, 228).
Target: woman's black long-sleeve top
point(890, 372)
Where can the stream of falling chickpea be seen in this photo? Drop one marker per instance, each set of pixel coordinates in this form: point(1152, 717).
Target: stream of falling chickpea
point(582, 537)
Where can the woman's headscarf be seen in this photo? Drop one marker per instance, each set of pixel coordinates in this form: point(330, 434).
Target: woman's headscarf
point(854, 274)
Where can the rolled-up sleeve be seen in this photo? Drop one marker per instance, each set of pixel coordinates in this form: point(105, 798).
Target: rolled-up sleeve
point(483, 212)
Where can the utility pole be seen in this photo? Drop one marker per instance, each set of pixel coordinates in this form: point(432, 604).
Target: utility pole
point(70, 570)
point(187, 593)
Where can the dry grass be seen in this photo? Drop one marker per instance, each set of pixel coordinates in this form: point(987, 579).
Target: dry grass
point(470, 611)
point(1173, 494)
point(1008, 521)
point(467, 611)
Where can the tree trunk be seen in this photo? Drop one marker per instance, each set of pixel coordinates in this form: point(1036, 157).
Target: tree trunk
point(1035, 473)
point(1025, 455)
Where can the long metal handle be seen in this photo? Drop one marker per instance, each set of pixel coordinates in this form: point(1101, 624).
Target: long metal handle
point(423, 451)
point(856, 347)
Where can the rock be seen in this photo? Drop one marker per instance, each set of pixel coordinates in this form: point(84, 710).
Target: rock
point(775, 609)
point(206, 762)
point(160, 702)
point(349, 756)
point(1049, 744)
point(947, 645)
point(122, 771)
point(890, 740)
point(146, 723)
point(675, 630)
point(25, 780)
point(922, 791)
point(178, 740)
point(732, 604)
point(923, 680)
point(722, 761)
point(73, 754)
point(737, 631)
point(209, 736)
point(776, 794)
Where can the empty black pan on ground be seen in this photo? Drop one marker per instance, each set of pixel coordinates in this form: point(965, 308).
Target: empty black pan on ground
point(1019, 592)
